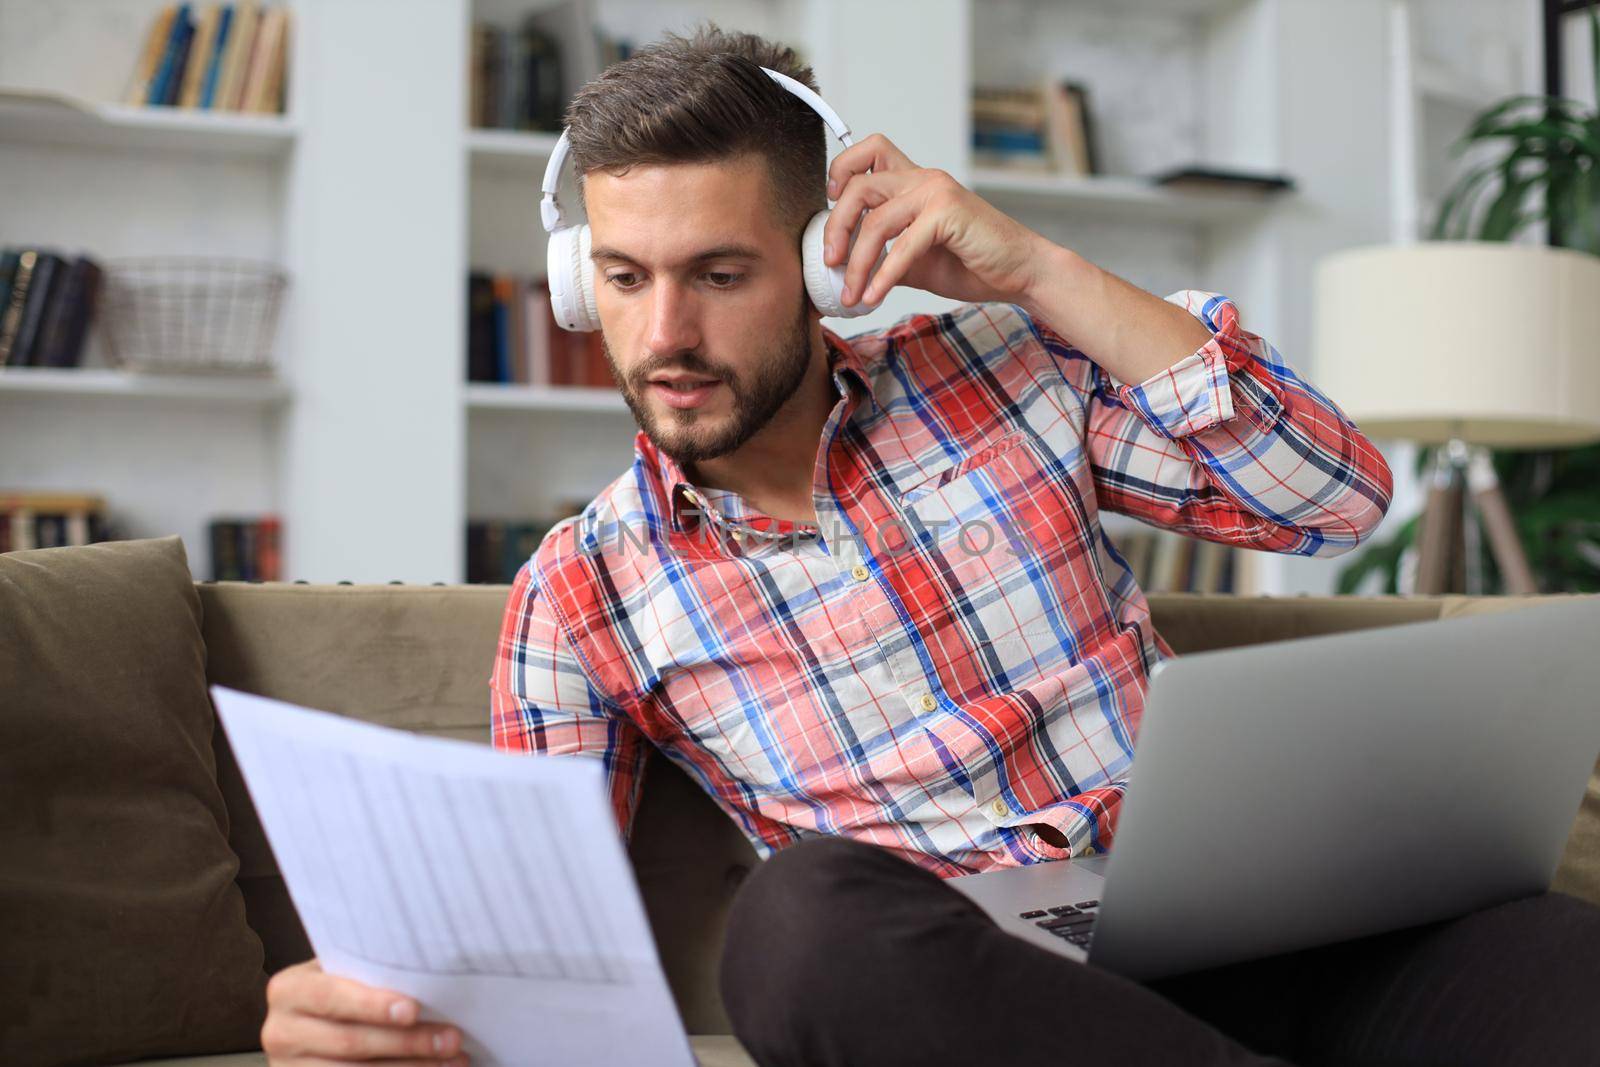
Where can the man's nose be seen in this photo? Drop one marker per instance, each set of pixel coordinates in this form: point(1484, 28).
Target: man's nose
point(674, 324)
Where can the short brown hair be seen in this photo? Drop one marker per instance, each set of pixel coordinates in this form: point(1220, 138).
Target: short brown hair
point(702, 99)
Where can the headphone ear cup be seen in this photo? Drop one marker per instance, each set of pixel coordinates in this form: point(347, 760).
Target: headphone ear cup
point(824, 284)
point(570, 273)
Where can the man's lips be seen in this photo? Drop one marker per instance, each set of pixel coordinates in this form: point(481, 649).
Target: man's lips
point(683, 391)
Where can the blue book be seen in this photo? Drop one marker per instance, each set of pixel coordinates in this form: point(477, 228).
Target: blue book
point(502, 340)
point(165, 72)
point(208, 88)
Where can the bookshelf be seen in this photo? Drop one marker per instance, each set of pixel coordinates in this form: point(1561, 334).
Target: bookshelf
point(378, 198)
point(487, 396)
point(1114, 197)
point(59, 119)
point(210, 390)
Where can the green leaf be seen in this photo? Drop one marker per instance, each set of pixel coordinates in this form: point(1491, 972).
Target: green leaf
point(1383, 558)
point(1594, 49)
point(1501, 221)
point(1557, 139)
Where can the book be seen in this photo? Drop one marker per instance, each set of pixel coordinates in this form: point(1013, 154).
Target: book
point(241, 41)
point(271, 97)
point(194, 70)
point(173, 86)
point(213, 71)
point(480, 327)
point(47, 270)
point(67, 318)
point(16, 301)
point(50, 520)
point(537, 312)
point(517, 315)
point(169, 56)
point(155, 46)
point(500, 324)
point(1209, 558)
point(9, 259)
point(262, 52)
point(1212, 179)
point(245, 549)
point(1067, 129)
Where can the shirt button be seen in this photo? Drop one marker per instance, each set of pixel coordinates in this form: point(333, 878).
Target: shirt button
point(1088, 850)
point(738, 535)
point(860, 573)
point(927, 702)
point(999, 808)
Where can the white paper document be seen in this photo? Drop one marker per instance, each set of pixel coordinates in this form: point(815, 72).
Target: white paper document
point(491, 887)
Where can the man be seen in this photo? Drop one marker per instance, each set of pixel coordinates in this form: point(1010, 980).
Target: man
point(858, 589)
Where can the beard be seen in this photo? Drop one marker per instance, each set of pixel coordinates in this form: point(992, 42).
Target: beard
point(759, 393)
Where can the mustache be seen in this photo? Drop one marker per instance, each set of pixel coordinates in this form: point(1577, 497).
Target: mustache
point(688, 362)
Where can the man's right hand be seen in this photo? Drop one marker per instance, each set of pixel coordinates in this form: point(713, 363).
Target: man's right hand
point(314, 1018)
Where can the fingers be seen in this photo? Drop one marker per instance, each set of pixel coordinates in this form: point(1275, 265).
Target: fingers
point(875, 153)
point(863, 193)
point(306, 988)
point(913, 242)
point(290, 1036)
point(881, 225)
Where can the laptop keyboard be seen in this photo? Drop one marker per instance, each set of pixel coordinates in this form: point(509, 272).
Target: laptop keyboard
point(1070, 922)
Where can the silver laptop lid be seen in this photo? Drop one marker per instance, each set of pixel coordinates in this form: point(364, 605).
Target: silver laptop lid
point(1313, 790)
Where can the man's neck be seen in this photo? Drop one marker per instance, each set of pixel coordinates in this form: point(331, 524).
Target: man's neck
point(773, 471)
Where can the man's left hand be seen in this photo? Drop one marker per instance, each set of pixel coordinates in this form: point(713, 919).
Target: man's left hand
point(947, 239)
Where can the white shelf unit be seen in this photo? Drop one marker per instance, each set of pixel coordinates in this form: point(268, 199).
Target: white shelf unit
point(483, 396)
point(378, 200)
point(84, 173)
point(236, 393)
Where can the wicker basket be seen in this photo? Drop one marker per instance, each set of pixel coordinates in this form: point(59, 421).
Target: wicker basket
point(185, 314)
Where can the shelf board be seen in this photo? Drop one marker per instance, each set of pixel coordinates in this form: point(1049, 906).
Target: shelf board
point(1118, 197)
point(513, 150)
point(212, 389)
point(487, 396)
point(52, 118)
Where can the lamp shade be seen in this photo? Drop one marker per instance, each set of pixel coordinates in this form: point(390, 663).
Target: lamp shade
point(1497, 344)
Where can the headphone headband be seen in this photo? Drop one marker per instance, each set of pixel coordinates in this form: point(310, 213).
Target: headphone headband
point(550, 207)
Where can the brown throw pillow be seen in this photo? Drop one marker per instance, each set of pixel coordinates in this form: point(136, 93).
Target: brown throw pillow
point(122, 933)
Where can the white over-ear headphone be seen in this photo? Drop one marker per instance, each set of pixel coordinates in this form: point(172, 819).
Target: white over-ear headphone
point(572, 272)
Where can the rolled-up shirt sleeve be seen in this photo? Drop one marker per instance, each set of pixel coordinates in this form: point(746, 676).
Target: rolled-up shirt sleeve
point(1231, 444)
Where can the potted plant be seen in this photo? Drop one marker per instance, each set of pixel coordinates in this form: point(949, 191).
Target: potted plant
point(1548, 168)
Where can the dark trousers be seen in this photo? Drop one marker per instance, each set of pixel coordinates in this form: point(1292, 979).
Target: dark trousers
point(842, 953)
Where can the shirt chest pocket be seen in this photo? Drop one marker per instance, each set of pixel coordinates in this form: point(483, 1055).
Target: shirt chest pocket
point(1005, 537)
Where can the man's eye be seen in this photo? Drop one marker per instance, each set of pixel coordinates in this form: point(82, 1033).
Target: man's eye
point(723, 280)
point(624, 280)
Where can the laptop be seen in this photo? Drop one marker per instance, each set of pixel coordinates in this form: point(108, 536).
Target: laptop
point(1310, 791)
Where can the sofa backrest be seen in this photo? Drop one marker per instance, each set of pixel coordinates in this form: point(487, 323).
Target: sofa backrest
point(420, 658)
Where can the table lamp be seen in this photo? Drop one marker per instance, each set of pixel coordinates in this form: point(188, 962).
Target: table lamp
point(1470, 345)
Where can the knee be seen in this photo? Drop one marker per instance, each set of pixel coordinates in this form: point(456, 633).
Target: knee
point(789, 911)
point(800, 930)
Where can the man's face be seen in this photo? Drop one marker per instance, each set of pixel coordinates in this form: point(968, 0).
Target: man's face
point(706, 321)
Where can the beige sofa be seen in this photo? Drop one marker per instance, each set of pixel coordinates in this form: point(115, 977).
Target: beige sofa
point(419, 657)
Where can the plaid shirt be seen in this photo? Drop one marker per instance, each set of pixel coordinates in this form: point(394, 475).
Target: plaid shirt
point(956, 650)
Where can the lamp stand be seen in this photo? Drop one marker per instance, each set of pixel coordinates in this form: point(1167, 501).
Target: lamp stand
point(1458, 469)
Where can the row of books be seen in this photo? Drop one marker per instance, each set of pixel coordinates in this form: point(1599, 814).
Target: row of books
point(51, 520)
point(515, 79)
point(246, 549)
point(1041, 128)
point(214, 57)
point(497, 548)
point(47, 301)
point(512, 337)
point(1168, 562)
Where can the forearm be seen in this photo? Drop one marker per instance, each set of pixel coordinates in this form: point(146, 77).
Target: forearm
point(1132, 334)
